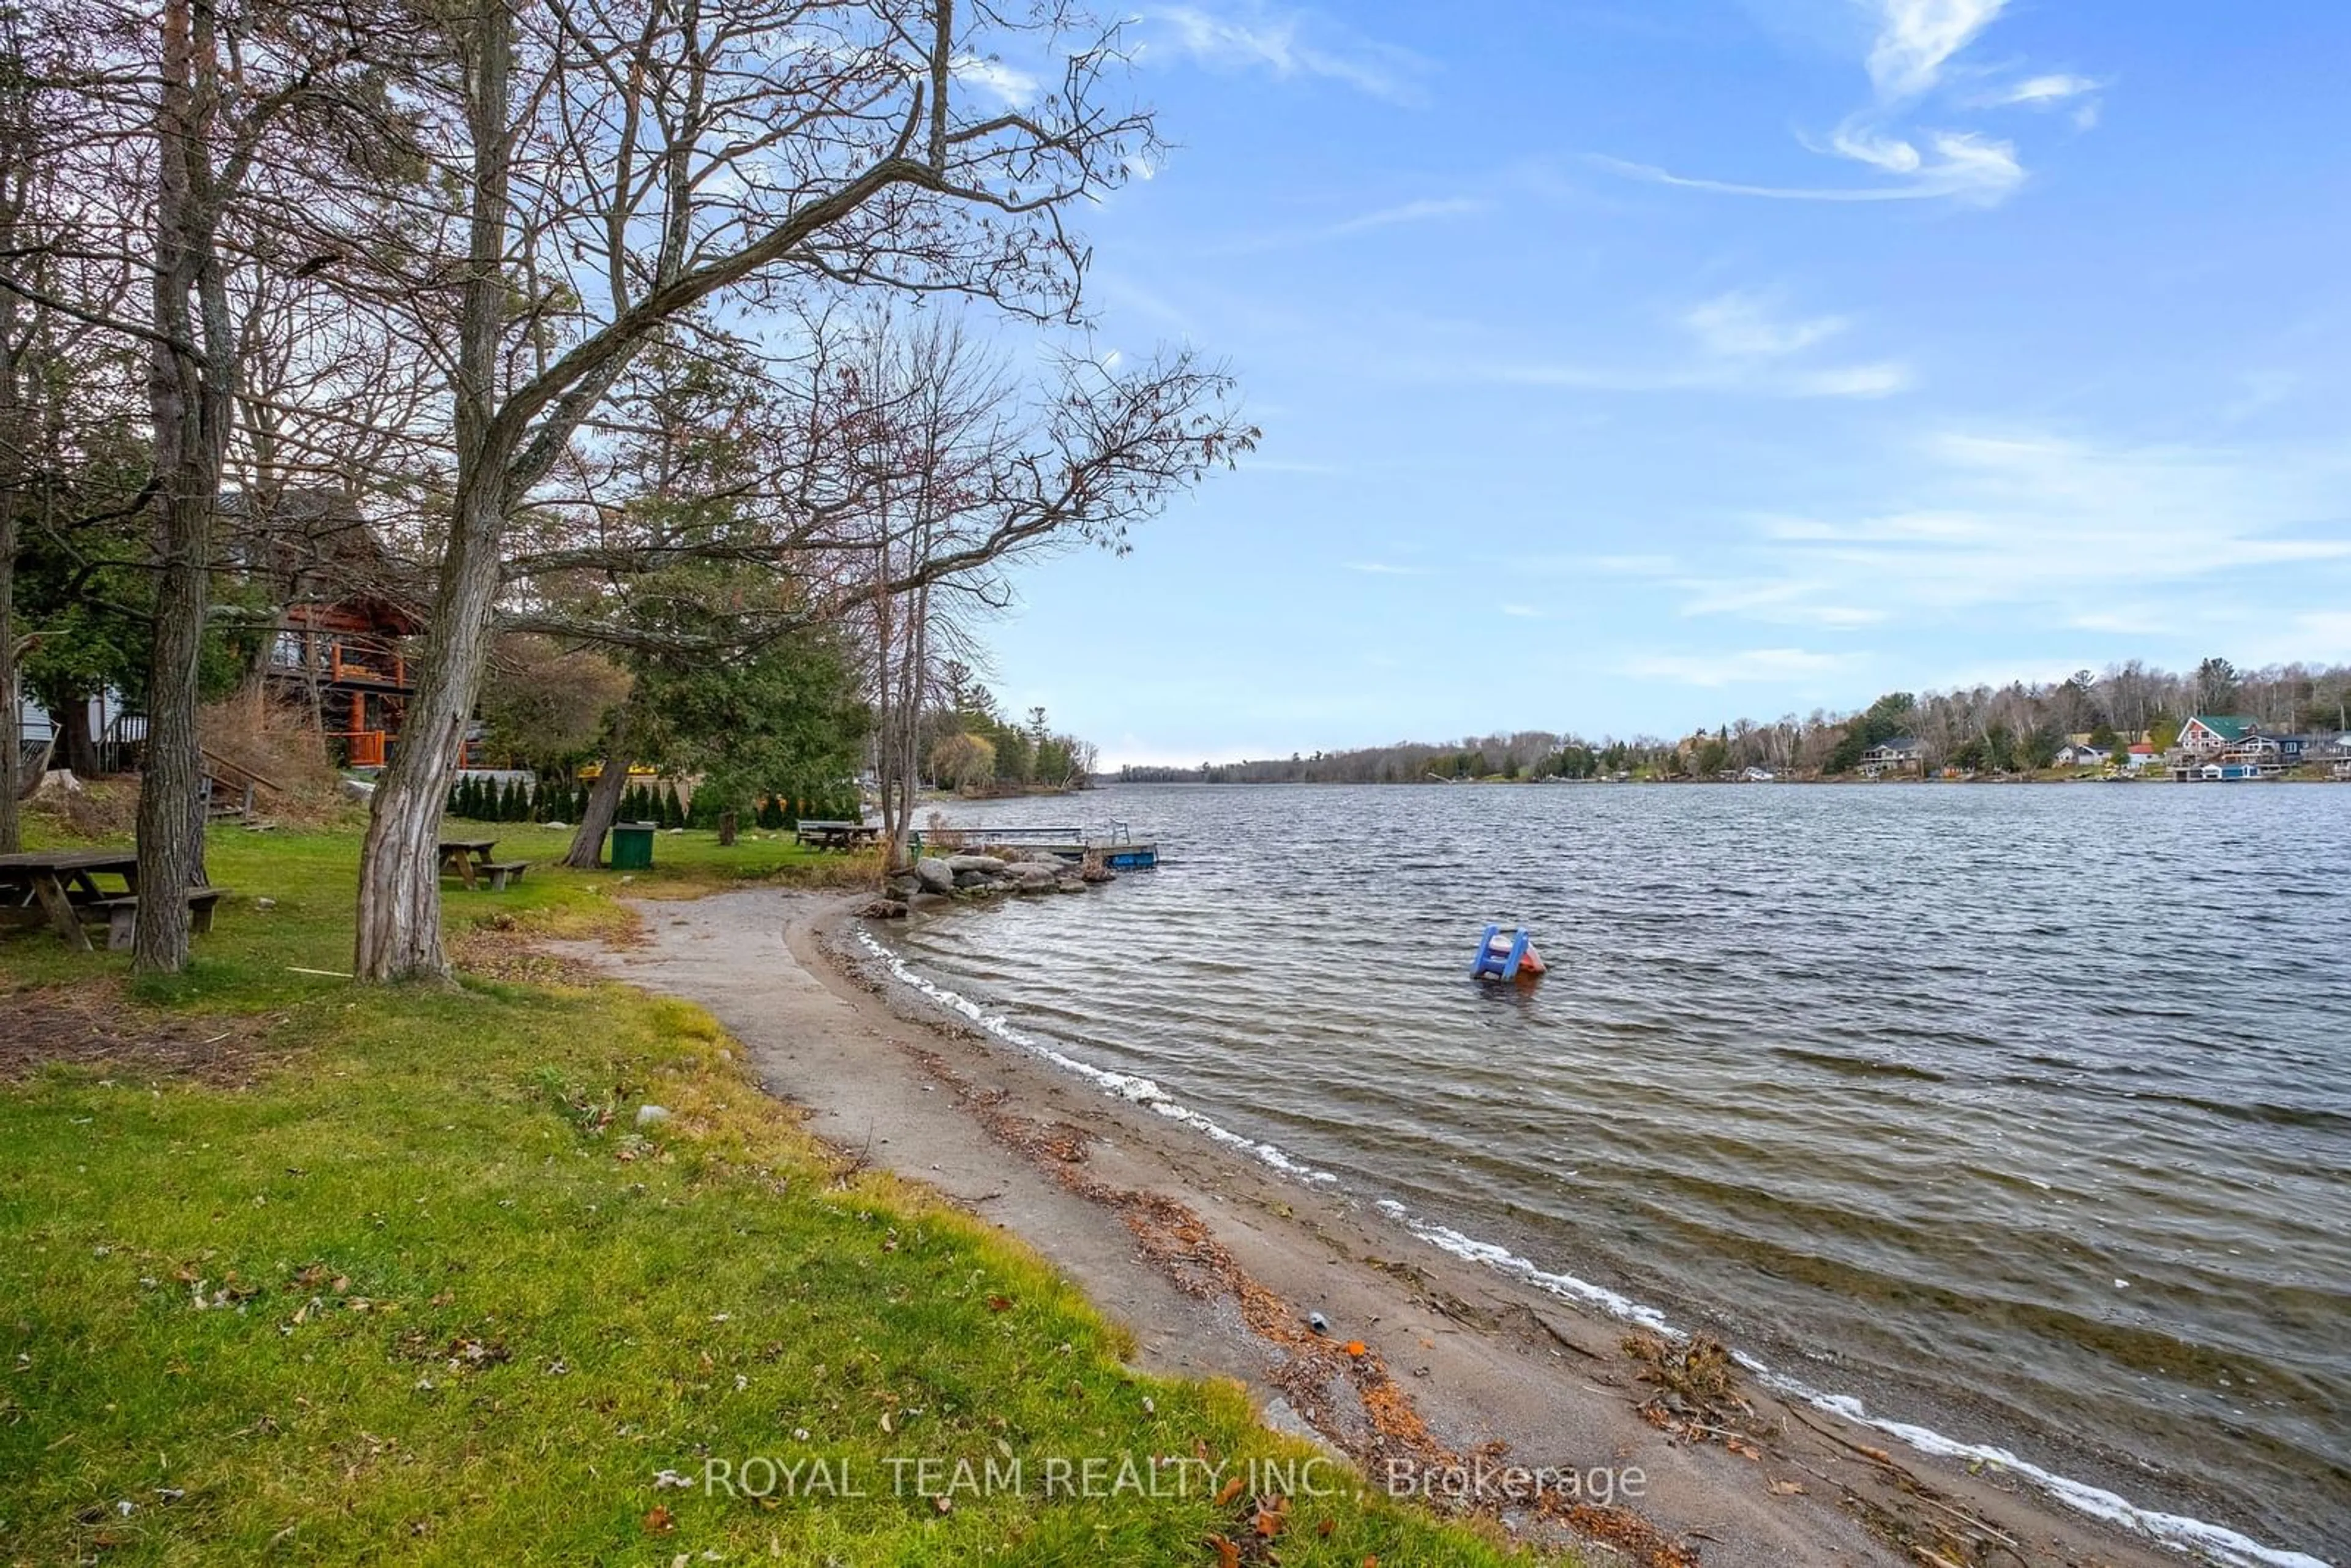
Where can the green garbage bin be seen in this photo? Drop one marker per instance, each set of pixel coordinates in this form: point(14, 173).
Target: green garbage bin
point(633, 846)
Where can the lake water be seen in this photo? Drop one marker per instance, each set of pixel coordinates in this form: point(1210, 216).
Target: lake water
point(2022, 1114)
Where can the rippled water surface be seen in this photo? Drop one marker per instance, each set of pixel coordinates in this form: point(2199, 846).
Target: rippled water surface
point(2024, 1113)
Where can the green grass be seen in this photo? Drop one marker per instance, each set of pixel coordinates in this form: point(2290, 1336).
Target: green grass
point(418, 1291)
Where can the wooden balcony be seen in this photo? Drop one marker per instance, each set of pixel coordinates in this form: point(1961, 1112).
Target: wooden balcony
point(361, 747)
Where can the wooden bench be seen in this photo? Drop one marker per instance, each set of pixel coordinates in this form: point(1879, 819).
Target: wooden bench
point(500, 873)
point(123, 915)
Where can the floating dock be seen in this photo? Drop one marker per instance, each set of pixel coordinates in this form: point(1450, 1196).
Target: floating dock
point(1117, 848)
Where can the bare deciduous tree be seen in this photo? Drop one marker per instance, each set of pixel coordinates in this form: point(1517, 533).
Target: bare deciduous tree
point(623, 165)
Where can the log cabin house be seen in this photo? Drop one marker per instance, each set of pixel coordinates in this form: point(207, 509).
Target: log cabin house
point(345, 631)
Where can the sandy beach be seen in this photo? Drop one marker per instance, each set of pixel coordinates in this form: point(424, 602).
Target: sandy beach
point(1429, 1372)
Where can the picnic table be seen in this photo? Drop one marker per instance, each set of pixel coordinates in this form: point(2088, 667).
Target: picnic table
point(468, 859)
point(832, 835)
point(54, 887)
point(59, 888)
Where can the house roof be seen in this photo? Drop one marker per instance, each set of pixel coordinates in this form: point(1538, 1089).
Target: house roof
point(2226, 725)
point(314, 546)
point(1898, 743)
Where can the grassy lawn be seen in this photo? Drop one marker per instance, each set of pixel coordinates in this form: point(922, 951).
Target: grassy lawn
point(400, 1279)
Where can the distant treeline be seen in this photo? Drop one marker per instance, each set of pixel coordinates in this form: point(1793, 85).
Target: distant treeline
point(2012, 729)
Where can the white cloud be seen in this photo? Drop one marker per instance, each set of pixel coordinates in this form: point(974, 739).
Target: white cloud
point(2069, 527)
point(1287, 44)
point(1916, 37)
point(1872, 380)
point(1409, 213)
point(1741, 345)
point(1383, 568)
point(1881, 378)
point(1632, 565)
point(1427, 210)
point(1013, 84)
point(1915, 41)
point(1788, 601)
point(1738, 323)
point(1749, 665)
point(2055, 88)
point(1965, 167)
point(1523, 612)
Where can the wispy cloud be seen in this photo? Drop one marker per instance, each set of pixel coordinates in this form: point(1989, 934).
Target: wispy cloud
point(1409, 213)
point(1523, 611)
point(1747, 665)
point(1285, 43)
point(1870, 380)
point(1014, 85)
point(1740, 323)
point(1916, 38)
point(1788, 601)
point(1383, 569)
point(1738, 344)
point(2042, 91)
point(1964, 166)
point(1427, 210)
point(1632, 565)
point(2068, 527)
point(1915, 42)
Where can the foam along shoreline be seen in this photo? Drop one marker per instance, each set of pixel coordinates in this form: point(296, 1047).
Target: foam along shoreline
point(2180, 1533)
point(1126, 1086)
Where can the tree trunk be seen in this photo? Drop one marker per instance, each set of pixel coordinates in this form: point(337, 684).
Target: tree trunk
point(79, 744)
point(399, 935)
point(604, 800)
point(191, 389)
point(171, 813)
point(12, 739)
point(726, 829)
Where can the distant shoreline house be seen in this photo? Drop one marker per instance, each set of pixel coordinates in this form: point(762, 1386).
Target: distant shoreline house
point(2208, 734)
point(2216, 748)
point(1900, 755)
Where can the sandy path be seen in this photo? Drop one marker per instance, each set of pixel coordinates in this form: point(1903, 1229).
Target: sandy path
point(1213, 1261)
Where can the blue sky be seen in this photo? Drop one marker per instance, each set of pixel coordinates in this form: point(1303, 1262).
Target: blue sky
point(1631, 365)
